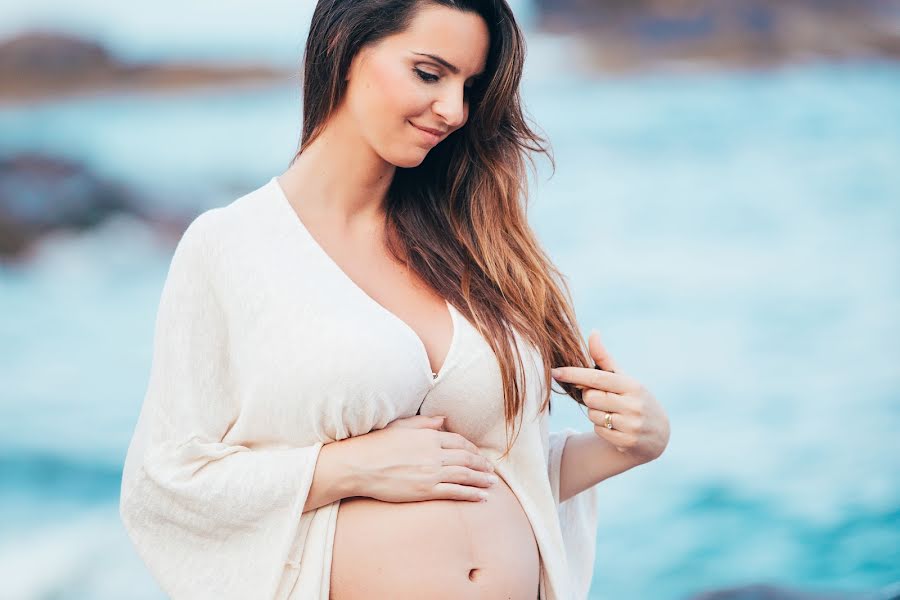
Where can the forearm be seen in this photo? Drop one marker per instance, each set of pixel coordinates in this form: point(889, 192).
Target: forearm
point(588, 459)
point(335, 475)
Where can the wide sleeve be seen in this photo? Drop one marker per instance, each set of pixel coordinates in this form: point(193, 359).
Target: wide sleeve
point(577, 516)
point(209, 519)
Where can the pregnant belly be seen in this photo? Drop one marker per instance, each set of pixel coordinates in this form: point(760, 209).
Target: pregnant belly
point(435, 549)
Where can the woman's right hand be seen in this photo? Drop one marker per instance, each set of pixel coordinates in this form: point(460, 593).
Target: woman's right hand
point(413, 459)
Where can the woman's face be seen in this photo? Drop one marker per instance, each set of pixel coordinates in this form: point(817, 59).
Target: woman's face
point(394, 88)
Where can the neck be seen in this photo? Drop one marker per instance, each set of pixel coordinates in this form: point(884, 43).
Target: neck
point(340, 178)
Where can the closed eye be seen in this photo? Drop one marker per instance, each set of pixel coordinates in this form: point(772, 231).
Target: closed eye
point(432, 78)
point(429, 77)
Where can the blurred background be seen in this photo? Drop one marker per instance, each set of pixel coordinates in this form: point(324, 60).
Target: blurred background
point(726, 206)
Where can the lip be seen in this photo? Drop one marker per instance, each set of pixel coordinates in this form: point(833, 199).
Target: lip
point(431, 135)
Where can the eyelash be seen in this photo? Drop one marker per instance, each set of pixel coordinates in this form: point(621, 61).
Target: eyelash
point(426, 77)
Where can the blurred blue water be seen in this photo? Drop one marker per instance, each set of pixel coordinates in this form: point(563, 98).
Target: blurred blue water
point(734, 237)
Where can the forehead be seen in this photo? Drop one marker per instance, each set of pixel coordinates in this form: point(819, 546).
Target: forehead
point(460, 37)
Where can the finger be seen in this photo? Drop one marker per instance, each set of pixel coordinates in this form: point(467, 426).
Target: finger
point(418, 421)
point(603, 400)
point(620, 422)
point(450, 440)
point(455, 491)
point(464, 458)
point(595, 378)
point(600, 354)
point(436, 422)
point(467, 476)
point(621, 440)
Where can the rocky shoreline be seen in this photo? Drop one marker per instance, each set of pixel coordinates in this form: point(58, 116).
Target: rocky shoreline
point(39, 65)
point(41, 193)
point(623, 36)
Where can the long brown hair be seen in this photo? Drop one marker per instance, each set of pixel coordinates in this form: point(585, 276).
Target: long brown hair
point(459, 218)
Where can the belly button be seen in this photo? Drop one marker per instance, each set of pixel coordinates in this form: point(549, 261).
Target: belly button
point(473, 574)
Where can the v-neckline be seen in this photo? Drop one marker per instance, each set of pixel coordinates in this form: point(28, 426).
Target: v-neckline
point(433, 377)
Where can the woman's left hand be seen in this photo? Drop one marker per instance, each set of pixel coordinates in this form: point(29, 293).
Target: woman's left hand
point(623, 411)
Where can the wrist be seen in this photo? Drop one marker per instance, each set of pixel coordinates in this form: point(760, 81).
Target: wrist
point(345, 457)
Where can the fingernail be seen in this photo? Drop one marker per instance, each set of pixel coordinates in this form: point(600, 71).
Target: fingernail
point(493, 479)
point(483, 496)
point(556, 372)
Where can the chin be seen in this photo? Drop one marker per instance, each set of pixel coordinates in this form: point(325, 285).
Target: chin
point(411, 159)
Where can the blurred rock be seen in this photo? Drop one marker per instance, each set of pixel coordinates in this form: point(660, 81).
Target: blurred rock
point(773, 592)
point(39, 194)
point(636, 34)
point(45, 65)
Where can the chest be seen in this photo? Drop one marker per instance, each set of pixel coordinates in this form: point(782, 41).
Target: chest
point(302, 348)
point(314, 358)
point(371, 272)
point(377, 278)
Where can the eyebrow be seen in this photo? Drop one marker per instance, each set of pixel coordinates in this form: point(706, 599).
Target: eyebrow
point(453, 68)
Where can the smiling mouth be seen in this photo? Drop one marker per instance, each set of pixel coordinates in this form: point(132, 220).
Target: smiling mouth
point(429, 137)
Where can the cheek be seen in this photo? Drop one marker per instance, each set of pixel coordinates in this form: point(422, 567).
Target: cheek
point(399, 98)
point(383, 100)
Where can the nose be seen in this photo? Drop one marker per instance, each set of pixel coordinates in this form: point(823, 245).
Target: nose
point(451, 106)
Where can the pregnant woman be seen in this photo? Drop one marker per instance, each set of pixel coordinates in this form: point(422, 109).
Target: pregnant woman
point(350, 385)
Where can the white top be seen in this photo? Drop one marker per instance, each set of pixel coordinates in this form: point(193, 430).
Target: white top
point(264, 350)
